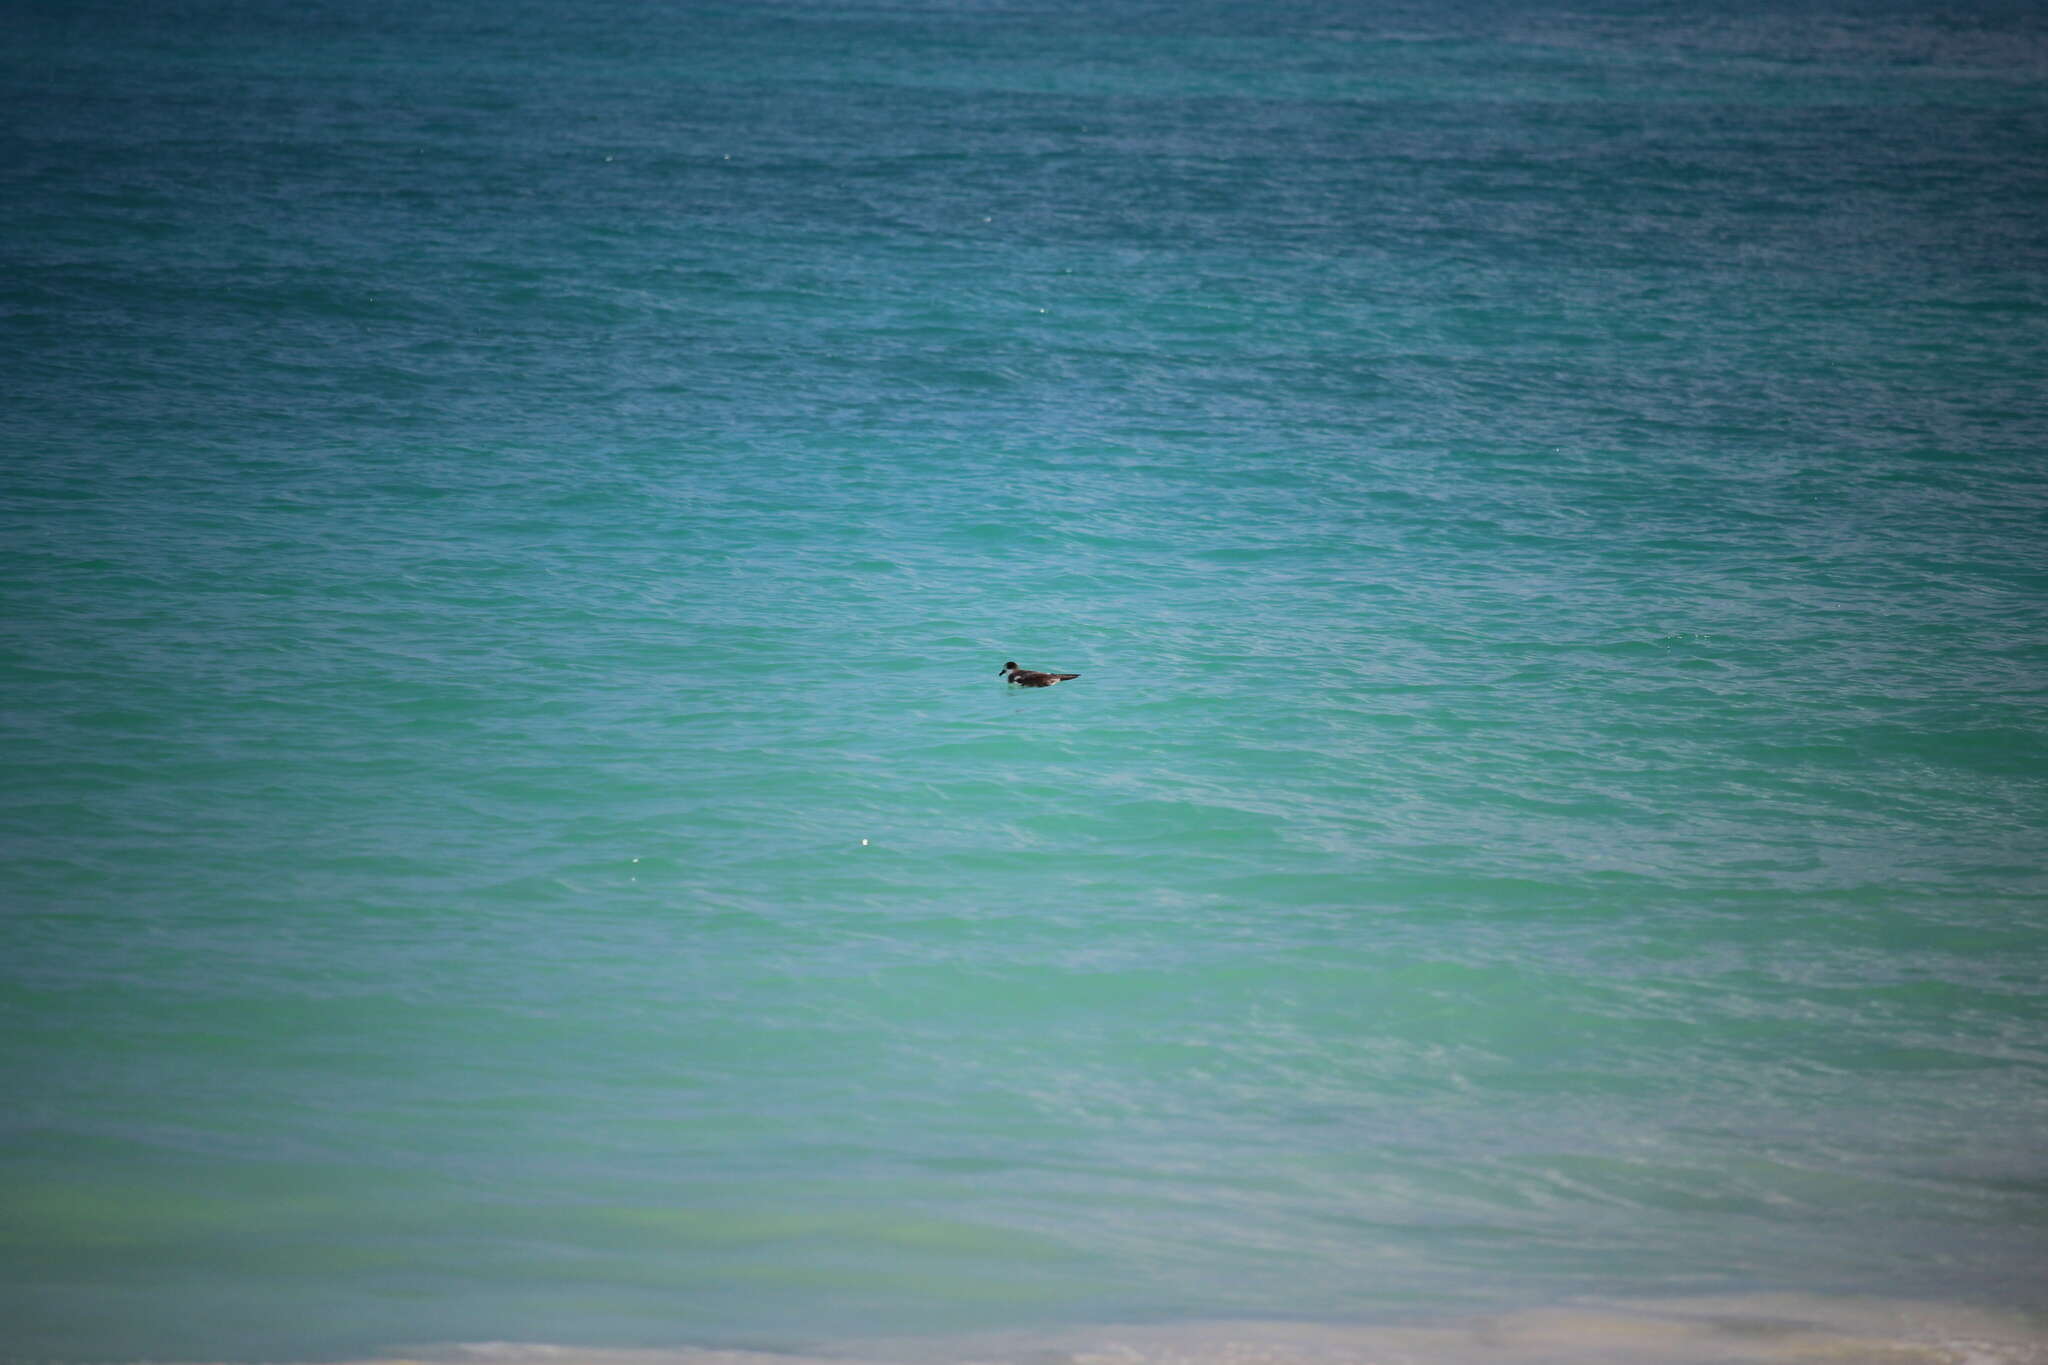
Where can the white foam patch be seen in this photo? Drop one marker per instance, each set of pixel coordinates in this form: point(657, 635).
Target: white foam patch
point(1734, 1330)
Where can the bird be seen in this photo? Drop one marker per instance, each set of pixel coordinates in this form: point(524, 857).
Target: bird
point(1025, 677)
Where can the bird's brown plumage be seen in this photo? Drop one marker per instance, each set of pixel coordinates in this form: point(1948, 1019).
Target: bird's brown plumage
point(1026, 677)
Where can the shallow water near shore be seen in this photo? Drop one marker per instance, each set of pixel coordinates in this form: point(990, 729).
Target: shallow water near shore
point(1755, 1329)
point(513, 832)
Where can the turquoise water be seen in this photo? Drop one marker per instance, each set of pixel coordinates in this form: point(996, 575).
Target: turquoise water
point(513, 514)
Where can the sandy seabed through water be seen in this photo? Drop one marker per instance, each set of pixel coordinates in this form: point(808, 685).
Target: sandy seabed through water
point(1703, 1331)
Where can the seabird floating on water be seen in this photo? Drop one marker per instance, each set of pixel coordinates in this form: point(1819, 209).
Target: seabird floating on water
point(1024, 677)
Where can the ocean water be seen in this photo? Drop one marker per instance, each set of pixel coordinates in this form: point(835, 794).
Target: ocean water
point(511, 515)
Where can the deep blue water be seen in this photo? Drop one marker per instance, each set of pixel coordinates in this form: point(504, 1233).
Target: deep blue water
point(510, 519)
